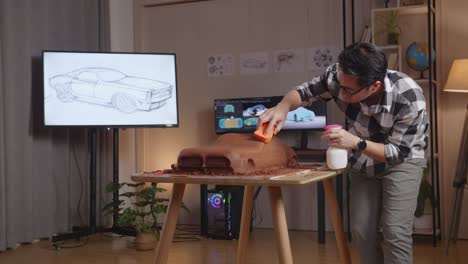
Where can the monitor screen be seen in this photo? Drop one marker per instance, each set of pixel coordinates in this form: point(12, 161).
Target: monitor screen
point(110, 89)
point(240, 115)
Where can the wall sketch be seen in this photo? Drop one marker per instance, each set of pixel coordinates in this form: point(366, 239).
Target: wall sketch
point(111, 88)
point(220, 65)
point(289, 60)
point(251, 63)
point(318, 59)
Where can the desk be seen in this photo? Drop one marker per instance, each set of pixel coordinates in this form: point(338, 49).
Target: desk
point(274, 183)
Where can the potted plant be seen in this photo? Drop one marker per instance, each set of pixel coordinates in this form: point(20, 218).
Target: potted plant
point(426, 194)
point(143, 215)
point(392, 28)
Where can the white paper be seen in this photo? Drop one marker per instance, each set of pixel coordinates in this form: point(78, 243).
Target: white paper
point(289, 60)
point(220, 65)
point(318, 59)
point(252, 63)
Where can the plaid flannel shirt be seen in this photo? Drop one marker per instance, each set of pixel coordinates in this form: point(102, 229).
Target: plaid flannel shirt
point(399, 121)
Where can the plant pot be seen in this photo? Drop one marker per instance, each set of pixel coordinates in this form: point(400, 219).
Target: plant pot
point(392, 38)
point(422, 222)
point(145, 241)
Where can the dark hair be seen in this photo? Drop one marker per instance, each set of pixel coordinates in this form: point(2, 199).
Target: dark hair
point(365, 61)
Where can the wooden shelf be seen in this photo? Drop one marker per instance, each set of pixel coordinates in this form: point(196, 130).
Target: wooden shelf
point(405, 10)
point(422, 81)
point(390, 47)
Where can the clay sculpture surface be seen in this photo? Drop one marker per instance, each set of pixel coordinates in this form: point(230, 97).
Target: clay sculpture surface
point(238, 154)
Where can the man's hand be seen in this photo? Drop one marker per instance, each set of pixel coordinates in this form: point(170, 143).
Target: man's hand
point(275, 116)
point(341, 138)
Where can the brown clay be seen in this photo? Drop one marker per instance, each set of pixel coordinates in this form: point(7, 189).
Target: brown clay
point(237, 154)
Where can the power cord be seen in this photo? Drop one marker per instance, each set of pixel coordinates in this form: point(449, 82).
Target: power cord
point(76, 244)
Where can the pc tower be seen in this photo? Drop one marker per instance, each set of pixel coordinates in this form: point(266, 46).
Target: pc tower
point(221, 211)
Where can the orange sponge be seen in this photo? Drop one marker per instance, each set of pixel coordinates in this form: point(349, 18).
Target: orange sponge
point(258, 134)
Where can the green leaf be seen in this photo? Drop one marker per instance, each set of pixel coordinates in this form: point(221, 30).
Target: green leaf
point(160, 208)
point(127, 218)
point(111, 205)
point(128, 194)
point(160, 189)
point(143, 203)
point(142, 214)
point(134, 185)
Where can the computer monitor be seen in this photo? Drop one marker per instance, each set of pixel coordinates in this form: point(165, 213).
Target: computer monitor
point(240, 115)
point(110, 89)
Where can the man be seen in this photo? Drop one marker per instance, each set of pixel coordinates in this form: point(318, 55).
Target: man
point(386, 139)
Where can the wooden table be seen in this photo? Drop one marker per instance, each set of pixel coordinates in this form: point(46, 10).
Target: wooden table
point(274, 183)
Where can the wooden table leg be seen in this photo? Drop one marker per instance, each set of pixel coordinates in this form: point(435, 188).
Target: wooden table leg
point(170, 221)
point(336, 220)
point(245, 224)
point(283, 245)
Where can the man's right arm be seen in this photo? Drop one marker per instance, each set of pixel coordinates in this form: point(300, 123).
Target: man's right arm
point(276, 116)
point(301, 95)
point(293, 100)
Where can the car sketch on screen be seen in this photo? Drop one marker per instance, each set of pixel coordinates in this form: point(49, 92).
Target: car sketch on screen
point(112, 88)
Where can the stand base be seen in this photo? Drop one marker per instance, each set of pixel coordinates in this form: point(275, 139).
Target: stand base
point(79, 232)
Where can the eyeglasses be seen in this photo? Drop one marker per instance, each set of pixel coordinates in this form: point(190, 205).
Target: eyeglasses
point(350, 92)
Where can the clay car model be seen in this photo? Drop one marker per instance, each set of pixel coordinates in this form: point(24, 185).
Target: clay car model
point(237, 153)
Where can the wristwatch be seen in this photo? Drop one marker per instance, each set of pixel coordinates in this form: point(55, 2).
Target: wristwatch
point(362, 144)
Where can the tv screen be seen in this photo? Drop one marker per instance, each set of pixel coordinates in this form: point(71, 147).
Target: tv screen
point(241, 115)
point(110, 89)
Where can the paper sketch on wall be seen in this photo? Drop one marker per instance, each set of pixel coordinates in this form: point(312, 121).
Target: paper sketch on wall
point(319, 59)
point(220, 65)
point(289, 60)
point(111, 88)
point(252, 63)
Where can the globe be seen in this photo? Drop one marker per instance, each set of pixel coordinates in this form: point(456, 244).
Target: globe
point(417, 56)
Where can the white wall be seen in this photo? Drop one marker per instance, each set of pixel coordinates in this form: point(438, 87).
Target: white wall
point(122, 39)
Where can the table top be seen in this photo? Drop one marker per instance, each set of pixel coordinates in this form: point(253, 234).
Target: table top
point(295, 176)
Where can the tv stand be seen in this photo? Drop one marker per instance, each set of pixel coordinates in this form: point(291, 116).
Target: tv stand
point(79, 232)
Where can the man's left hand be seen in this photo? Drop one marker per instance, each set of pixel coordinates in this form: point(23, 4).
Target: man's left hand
point(340, 138)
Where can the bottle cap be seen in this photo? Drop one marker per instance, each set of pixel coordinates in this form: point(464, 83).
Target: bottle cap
point(332, 126)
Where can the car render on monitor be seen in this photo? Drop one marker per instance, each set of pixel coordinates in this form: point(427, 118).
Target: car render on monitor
point(240, 115)
point(110, 89)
